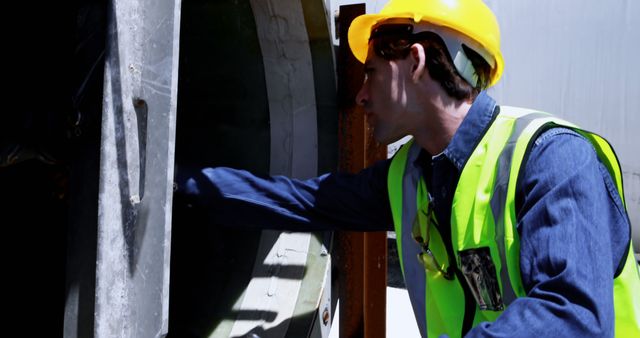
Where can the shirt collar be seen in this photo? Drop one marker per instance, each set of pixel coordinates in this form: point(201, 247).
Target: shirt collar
point(471, 130)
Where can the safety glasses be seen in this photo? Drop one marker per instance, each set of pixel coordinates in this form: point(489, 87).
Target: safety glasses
point(392, 39)
point(426, 257)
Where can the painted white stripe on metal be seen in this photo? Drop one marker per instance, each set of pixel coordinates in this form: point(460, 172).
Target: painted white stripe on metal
point(289, 80)
point(271, 296)
point(286, 54)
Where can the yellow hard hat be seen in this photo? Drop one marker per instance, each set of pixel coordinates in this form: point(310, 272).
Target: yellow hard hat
point(471, 18)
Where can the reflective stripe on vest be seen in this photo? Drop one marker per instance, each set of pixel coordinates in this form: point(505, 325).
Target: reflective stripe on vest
point(484, 217)
point(404, 186)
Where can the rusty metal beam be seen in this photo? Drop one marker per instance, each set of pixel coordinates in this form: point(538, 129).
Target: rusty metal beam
point(375, 259)
point(361, 257)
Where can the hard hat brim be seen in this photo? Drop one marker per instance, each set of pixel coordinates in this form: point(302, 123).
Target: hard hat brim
point(360, 31)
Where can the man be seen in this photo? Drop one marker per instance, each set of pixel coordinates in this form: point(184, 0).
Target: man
point(509, 222)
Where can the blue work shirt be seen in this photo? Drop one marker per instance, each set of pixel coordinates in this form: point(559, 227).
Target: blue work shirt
point(573, 228)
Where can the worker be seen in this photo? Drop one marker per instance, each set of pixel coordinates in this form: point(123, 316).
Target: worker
point(509, 222)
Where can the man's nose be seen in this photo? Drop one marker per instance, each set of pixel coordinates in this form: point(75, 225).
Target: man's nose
point(363, 96)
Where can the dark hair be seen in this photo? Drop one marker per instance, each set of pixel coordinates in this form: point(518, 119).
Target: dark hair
point(397, 45)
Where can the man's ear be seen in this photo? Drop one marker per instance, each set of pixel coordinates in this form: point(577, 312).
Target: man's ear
point(418, 59)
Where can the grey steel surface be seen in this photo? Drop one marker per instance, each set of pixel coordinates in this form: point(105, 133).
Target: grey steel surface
point(136, 169)
point(249, 99)
point(284, 38)
point(286, 56)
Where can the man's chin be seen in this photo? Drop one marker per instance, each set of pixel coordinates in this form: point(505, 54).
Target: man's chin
point(384, 142)
point(380, 139)
point(384, 139)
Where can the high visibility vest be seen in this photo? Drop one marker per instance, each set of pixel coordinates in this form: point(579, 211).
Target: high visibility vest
point(483, 226)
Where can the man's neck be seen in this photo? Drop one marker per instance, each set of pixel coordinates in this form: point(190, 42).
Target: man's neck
point(441, 124)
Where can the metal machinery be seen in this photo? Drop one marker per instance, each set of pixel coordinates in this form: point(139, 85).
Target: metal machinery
point(109, 94)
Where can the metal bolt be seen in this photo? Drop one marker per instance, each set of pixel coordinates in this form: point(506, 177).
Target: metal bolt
point(325, 316)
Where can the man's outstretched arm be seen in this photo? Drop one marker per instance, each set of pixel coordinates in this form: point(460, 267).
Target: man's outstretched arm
point(338, 201)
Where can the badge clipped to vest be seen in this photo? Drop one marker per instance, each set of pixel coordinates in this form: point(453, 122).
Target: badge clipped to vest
point(480, 273)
